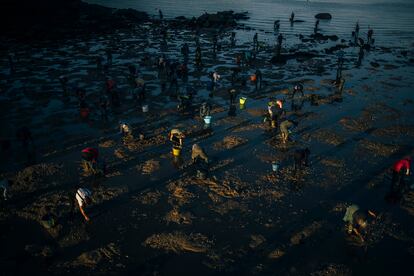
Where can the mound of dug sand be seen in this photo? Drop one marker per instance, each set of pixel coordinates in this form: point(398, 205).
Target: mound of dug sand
point(230, 142)
point(179, 242)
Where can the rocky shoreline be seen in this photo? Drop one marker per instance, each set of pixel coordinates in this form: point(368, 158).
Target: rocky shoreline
point(48, 19)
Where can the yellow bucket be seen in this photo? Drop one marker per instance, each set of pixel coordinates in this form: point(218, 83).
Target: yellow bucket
point(242, 100)
point(273, 123)
point(176, 151)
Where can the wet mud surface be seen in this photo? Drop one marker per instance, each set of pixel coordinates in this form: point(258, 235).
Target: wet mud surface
point(151, 215)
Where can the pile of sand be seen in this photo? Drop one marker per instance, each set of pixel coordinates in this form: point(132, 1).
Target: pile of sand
point(179, 242)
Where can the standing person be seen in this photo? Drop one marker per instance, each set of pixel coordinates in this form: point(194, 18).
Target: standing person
point(163, 74)
point(279, 45)
point(173, 80)
point(83, 198)
point(160, 14)
point(339, 69)
point(315, 30)
point(12, 67)
point(292, 18)
point(276, 25)
point(360, 55)
point(99, 67)
point(255, 42)
point(198, 61)
point(259, 78)
point(370, 33)
point(103, 107)
point(298, 88)
point(64, 83)
point(232, 94)
point(356, 33)
point(400, 169)
point(108, 57)
point(214, 43)
point(301, 157)
point(233, 39)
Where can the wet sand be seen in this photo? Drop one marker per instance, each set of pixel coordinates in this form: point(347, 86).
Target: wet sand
point(152, 216)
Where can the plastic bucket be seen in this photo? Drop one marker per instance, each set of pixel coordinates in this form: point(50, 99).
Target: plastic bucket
point(145, 108)
point(275, 166)
point(176, 151)
point(207, 120)
point(242, 100)
point(273, 123)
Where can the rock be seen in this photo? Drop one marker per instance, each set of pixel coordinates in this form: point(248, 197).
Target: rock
point(336, 48)
point(374, 64)
point(319, 36)
point(324, 16)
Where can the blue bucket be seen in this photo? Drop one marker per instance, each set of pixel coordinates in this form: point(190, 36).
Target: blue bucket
point(207, 120)
point(275, 166)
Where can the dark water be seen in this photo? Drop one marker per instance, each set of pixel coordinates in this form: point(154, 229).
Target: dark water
point(392, 21)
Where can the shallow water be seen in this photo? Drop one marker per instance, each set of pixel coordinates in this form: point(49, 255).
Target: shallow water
point(392, 21)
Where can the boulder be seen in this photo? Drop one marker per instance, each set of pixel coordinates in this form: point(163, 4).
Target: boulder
point(324, 16)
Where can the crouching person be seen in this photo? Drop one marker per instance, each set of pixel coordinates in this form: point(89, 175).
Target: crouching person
point(90, 163)
point(200, 160)
point(83, 198)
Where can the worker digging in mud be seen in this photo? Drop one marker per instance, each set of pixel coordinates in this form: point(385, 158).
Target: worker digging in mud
point(200, 161)
point(90, 162)
point(298, 88)
point(400, 170)
point(357, 221)
point(205, 109)
point(301, 158)
point(83, 198)
point(125, 129)
point(275, 112)
point(285, 129)
point(176, 137)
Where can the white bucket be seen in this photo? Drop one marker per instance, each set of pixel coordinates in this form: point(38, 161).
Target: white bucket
point(207, 120)
point(145, 108)
point(275, 166)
